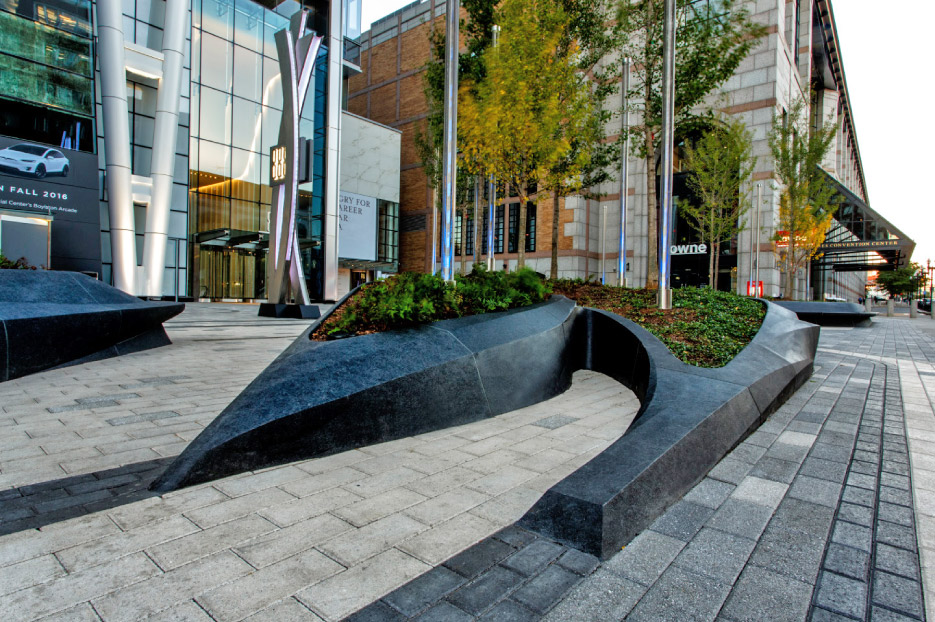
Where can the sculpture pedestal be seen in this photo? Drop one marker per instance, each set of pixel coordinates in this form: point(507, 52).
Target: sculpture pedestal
point(295, 312)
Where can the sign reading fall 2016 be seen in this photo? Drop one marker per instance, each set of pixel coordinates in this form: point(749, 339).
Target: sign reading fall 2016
point(357, 227)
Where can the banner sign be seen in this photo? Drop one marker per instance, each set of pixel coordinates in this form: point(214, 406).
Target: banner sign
point(63, 183)
point(357, 226)
point(861, 245)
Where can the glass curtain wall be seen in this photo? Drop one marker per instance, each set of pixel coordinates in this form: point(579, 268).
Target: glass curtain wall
point(236, 112)
point(47, 72)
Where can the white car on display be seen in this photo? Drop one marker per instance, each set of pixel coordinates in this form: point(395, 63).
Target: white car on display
point(34, 160)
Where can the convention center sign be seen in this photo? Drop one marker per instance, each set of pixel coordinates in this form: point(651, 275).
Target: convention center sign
point(61, 183)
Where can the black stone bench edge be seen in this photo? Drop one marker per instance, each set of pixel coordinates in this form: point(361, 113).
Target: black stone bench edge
point(676, 437)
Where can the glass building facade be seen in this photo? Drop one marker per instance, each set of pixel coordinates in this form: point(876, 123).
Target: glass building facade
point(47, 72)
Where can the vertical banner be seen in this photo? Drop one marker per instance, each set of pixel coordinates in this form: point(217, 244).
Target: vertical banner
point(357, 226)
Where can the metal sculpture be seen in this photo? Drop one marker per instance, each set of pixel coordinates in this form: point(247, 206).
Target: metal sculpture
point(297, 48)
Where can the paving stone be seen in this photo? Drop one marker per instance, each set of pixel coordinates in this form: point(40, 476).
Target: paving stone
point(730, 471)
point(682, 520)
point(28, 573)
point(824, 469)
point(533, 558)
point(879, 614)
point(645, 558)
point(860, 496)
point(898, 593)
point(509, 611)
point(443, 540)
point(896, 535)
point(842, 595)
point(709, 493)
point(803, 516)
point(555, 421)
point(419, 593)
point(680, 595)
point(897, 561)
point(790, 553)
point(167, 589)
point(857, 514)
point(578, 562)
point(775, 469)
point(353, 589)
point(602, 596)
point(716, 554)
point(286, 610)
point(741, 518)
point(760, 491)
point(544, 590)
point(280, 544)
point(179, 551)
point(444, 612)
point(376, 612)
point(478, 558)
point(898, 514)
point(760, 594)
point(827, 451)
point(847, 561)
point(485, 590)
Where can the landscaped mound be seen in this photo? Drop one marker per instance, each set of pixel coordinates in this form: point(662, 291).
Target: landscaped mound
point(704, 327)
point(412, 298)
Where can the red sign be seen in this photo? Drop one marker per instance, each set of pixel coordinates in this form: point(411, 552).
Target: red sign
point(755, 288)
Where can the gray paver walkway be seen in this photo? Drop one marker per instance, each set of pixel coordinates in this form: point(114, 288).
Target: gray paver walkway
point(827, 512)
point(317, 539)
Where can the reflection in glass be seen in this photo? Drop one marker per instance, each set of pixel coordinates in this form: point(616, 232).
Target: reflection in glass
point(248, 25)
point(214, 168)
point(247, 124)
point(272, 87)
point(216, 62)
point(217, 16)
point(215, 116)
point(248, 74)
point(245, 183)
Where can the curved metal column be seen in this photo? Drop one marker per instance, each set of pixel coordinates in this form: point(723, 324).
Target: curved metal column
point(164, 144)
point(117, 143)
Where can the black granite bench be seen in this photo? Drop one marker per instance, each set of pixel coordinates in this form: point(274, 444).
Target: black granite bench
point(320, 398)
point(50, 318)
point(829, 313)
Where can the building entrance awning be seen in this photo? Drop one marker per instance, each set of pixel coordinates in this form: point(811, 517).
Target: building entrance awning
point(861, 240)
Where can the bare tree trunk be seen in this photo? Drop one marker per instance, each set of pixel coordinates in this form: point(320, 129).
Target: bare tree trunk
point(652, 260)
point(717, 263)
point(652, 251)
point(553, 268)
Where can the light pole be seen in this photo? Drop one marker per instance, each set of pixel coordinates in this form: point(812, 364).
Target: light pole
point(668, 140)
point(624, 175)
point(492, 189)
point(603, 244)
point(449, 143)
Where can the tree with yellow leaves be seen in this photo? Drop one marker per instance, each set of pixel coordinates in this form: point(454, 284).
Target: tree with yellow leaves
point(516, 122)
point(806, 204)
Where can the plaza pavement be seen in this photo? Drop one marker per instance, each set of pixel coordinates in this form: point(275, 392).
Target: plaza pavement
point(813, 517)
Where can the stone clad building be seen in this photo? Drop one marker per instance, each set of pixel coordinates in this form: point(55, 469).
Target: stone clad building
point(799, 57)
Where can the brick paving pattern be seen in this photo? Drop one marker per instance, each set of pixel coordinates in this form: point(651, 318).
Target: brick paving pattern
point(317, 539)
point(827, 512)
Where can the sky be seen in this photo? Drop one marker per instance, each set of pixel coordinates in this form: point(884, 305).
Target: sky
point(887, 63)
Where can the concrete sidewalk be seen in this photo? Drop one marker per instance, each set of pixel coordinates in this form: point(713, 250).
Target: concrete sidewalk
point(812, 517)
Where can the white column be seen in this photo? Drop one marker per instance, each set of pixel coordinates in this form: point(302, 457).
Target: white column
point(164, 143)
point(333, 143)
point(117, 143)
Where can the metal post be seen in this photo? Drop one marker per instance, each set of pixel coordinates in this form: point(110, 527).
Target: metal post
point(449, 146)
point(478, 184)
point(756, 246)
point(750, 282)
point(668, 140)
point(603, 244)
point(492, 189)
point(931, 291)
point(624, 176)
point(436, 196)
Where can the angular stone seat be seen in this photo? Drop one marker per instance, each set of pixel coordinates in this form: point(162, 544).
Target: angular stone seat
point(50, 318)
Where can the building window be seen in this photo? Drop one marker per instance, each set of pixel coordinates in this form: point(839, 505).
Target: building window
point(497, 232)
point(388, 244)
point(530, 236)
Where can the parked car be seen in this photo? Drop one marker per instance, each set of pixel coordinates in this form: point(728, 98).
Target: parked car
point(925, 305)
point(34, 160)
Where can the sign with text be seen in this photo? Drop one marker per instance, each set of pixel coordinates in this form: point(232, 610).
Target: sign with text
point(63, 183)
point(277, 165)
point(357, 226)
point(689, 249)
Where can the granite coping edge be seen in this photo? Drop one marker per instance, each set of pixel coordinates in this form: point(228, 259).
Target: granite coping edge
point(689, 419)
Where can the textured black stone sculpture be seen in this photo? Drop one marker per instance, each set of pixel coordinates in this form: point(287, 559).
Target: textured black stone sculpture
point(829, 313)
point(320, 398)
point(50, 318)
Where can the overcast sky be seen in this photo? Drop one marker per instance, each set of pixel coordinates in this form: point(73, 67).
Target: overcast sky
point(886, 50)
